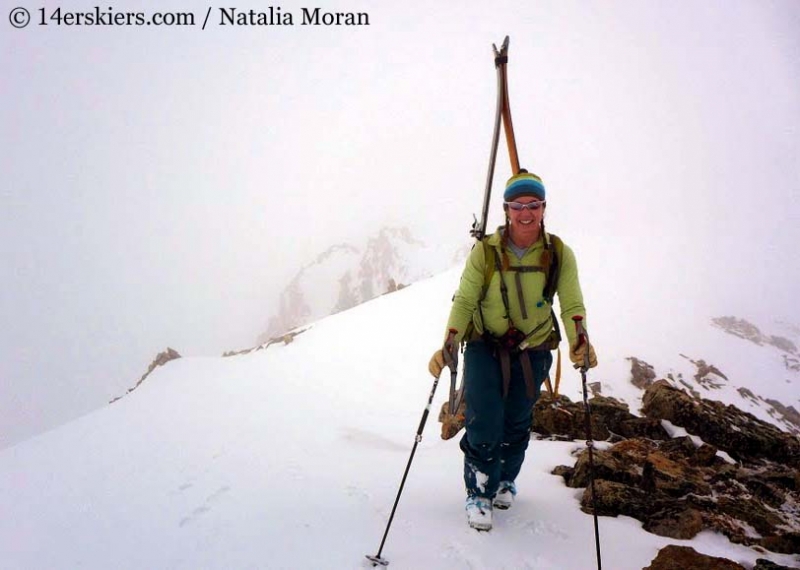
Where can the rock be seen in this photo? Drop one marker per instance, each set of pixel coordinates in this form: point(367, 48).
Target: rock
point(643, 427)
point(642, 373)
point(615, 499)
point(679, 521)
point(788, 543)
point(764, 564)
point(677, 490)
point(621, 464)
point(742, 435)
point(610, 419)
point(160, 360)
point(674, 557)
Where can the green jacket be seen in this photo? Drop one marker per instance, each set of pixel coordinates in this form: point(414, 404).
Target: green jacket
point(491, 317)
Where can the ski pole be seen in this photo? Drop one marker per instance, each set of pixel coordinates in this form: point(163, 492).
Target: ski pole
point(377, 559)
point(583, 337)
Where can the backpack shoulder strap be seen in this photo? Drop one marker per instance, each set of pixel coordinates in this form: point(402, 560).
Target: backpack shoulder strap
point(490, 256)
point(554, 270)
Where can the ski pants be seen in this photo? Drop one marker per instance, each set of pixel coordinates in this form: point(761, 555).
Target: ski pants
point(497, 429)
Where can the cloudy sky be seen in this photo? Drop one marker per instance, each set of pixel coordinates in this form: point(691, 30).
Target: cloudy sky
point(161, 184)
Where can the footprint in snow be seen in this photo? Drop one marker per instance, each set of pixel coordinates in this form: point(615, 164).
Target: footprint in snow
point(205, 507)
point(373, 440)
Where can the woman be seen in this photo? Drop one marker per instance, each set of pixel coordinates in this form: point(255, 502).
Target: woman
point(503, 311)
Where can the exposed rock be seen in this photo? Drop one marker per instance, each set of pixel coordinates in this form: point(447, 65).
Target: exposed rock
point(287, 338)
point(677, 489)
point(791, 363)
point(789, 414)
point(610, 419)
point(741, 434)
point(748, 331)
point(675, 557)
point(160, 360)
point(764, 564)
point(642, 373)
point(679, 521)
point(706, 374)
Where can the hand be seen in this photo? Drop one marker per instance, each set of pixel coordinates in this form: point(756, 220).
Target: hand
point(437, 363)
point(578, 355)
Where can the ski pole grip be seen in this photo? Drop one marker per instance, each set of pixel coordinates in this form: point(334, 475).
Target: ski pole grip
point(579, 330)
point(451, 350)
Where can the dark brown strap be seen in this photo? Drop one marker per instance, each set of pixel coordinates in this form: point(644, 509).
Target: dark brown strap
point(527, 373)
point(505, 367)
point(520, 296)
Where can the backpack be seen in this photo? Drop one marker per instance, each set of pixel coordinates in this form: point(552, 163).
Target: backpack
point(554, 248)
point(452, 423)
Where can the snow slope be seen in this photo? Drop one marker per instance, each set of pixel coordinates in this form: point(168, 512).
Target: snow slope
point(290, 457)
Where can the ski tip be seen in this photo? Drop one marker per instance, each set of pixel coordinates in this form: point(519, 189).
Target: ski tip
point(503, 51)
point(377, 560)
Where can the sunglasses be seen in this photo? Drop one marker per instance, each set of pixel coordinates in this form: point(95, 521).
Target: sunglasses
point(518, 206)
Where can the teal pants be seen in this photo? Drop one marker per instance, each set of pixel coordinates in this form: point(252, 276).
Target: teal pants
point(497, 428)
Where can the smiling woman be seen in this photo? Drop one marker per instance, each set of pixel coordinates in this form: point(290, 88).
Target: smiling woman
point(503, 313)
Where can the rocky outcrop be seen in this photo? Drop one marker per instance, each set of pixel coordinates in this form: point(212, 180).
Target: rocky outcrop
point(741, 434)
point(679, 487)
point(764, 564)
point(642, 373)
point(749, 331)
point(674, 557)
point(160, 360)
point(287, 338)
point(611, 420)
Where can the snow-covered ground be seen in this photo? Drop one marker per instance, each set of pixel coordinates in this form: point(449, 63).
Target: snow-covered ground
point(290, 457)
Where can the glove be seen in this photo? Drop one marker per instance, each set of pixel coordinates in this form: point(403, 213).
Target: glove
point(436, 365)
point(443, 357)
point(578, 354)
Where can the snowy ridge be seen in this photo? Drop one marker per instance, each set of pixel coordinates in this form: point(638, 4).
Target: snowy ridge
point(290, 457)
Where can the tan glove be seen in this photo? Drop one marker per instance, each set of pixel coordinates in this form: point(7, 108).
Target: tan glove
point(437, 364)
point(578, 354)
point(440, 359)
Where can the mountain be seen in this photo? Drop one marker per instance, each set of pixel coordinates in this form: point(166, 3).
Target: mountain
point(346, 275)
point(290, 456)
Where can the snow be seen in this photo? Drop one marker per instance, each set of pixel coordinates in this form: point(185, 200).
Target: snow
point(291, 456)
point(677, 431)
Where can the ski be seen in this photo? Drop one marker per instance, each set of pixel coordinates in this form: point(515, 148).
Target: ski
point(500, 59)
point(502, 114)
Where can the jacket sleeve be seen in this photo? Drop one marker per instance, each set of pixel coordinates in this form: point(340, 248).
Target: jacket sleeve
point(569, 294)
point(468, 295)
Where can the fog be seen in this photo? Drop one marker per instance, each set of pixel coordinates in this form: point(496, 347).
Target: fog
point(160, 185)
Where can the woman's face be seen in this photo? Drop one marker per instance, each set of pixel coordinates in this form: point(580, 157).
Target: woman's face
point(526, 220)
